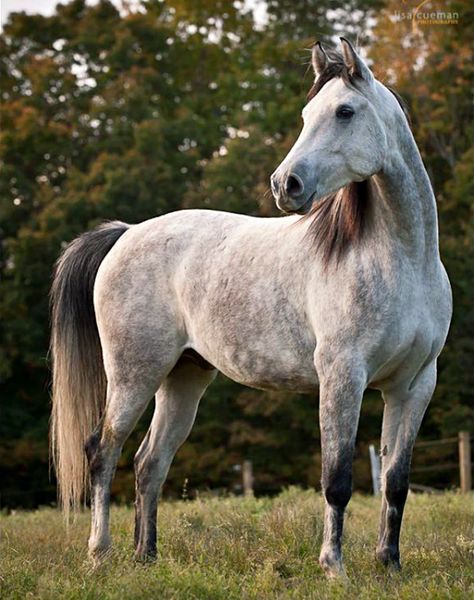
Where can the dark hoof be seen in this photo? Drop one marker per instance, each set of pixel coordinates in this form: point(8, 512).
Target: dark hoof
point(389, 558)
point(145, 556)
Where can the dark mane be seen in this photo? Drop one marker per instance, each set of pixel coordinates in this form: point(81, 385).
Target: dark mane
point(403, 104)
point(337, 221)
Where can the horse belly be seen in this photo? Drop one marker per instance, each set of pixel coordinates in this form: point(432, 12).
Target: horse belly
point(282, 372)
point(264, 372)
point(258, 350)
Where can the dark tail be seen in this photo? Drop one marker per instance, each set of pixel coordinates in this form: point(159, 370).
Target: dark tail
point(79, 384)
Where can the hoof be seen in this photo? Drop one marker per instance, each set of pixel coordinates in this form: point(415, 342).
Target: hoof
point(333, 567)
point(147, 555)
point(98, 556)
point(389, 558)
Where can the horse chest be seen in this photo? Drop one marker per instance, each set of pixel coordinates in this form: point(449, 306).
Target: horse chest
point(412, 337)
point(392, 324)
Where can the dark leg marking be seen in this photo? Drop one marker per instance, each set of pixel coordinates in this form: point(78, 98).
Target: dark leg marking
point(138, 503)
point(337, 487)
point(145, 532)
point(396, 491)
point(138, 519)
point(337, 481)
point(94, 457)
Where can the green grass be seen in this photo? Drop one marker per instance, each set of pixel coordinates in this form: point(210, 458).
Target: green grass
point(238, 548)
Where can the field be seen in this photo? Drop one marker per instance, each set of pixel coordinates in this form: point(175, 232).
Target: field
point(243, 548)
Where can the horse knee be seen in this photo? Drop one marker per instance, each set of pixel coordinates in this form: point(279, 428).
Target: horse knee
point(337, 485)
point(396, 485)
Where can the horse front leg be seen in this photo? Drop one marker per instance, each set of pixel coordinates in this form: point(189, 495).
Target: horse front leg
point(403, 414)
point(342, 386)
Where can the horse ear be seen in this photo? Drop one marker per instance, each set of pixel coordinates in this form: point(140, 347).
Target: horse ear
point(354, 63)
point(319, 59)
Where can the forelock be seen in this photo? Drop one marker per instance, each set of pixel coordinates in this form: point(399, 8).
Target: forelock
point(335, 68)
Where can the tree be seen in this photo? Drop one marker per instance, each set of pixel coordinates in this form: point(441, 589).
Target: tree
point(431, 66)
point(109, 115)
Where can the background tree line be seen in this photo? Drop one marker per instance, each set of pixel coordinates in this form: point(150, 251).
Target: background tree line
point(184, 103)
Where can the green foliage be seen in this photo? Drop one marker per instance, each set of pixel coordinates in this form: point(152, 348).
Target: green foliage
point(109, 115)
point(433, 70)
point(239, 548)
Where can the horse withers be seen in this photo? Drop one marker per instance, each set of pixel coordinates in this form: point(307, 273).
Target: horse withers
point(346, 293)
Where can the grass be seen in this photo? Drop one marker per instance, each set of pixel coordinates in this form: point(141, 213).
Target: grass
point(242, 548)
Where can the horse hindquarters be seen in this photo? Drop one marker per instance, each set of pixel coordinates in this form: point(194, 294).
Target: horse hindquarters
point(140, 345)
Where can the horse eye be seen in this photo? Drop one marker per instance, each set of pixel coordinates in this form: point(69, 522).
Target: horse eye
point(344, 112)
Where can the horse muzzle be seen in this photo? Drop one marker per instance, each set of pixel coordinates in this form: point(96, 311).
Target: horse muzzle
point(289, 193)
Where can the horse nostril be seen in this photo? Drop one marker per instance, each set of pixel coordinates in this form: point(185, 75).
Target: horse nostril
point(294, 186)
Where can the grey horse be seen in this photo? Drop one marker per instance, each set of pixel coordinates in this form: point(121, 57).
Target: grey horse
point(346, 293)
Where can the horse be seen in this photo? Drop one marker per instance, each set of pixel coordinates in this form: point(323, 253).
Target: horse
point(344, 293)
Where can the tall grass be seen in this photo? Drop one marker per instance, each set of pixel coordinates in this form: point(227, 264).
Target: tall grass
point(243, 548)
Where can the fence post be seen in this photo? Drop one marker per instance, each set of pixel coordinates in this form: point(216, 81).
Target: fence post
point(247, 478)
point(375, 469)
point(465, 461)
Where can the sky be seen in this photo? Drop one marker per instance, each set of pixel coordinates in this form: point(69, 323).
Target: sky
point(46, 7)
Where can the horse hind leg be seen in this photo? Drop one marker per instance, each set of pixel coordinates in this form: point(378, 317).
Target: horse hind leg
point(403, 414)
point(129, 391)
point(176, 406)
point(124, 408)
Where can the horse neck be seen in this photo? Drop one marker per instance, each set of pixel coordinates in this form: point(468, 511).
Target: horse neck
point(405, 205)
